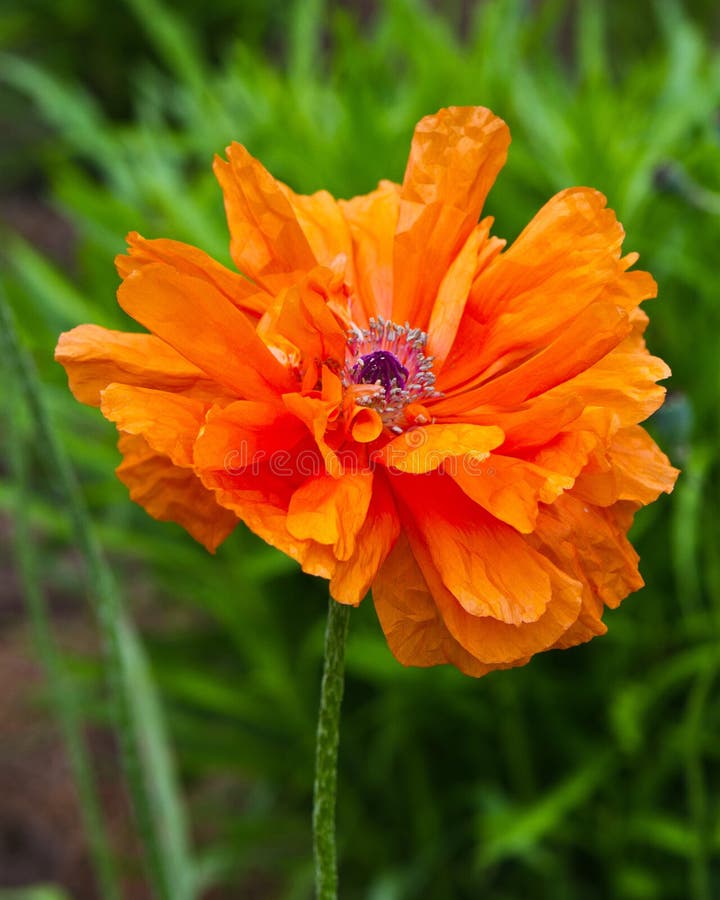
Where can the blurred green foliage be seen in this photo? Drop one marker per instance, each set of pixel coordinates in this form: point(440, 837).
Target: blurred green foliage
point(590, 773)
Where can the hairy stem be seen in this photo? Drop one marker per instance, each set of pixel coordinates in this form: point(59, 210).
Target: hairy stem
point(328, 734)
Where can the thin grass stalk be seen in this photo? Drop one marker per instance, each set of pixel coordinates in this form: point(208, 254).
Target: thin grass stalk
point(63, 697)
point(137, 717)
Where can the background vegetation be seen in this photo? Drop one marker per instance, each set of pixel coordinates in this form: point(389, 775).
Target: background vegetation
point(591, 773)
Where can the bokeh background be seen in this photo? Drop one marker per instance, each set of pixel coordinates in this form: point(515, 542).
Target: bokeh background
point(591, 773)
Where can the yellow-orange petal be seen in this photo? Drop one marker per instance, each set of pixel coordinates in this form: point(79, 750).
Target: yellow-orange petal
point(643, 470)
point(170, 423)
point(490, 640)
point(322, 222)
point(372, 219)
point(95, 357)
point(266, 241)
point(172, 493)
point(331, 510)
point(624, 381)
point(415, 632)
point(242, 293)
point(365, 425)
point(425, 448)
point(201, 324)
point(607, 563)
point(510, 489)
point(454, 159)
point(487, 567)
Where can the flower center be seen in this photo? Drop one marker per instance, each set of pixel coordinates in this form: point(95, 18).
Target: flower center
point(380, 367)
point(386, 368)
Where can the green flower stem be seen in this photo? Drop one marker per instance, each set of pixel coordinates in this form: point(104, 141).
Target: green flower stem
point(328, 735)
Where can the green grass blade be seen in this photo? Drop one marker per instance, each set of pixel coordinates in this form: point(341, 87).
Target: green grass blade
point(141, 731)
point(64, 699)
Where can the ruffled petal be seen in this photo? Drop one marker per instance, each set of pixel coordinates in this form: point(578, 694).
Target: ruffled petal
point(372, 219)
point(584, 340)
point(591, 545)
point(454, 159)
point(267, 242)
point(488, 568)
point(624, 381)
point(95, 357)
point(170, 423)
point(302, 316)
point(643, 470)
point(567, 258)
point(375, 539)
point(415, 632)
point(454, 291)
point(511, 489)
point(253, 456)
point(488, 639)
point(242, 293)
point(172, 493)
point(315, 413)
point(331, 510)
point(199, 322)
point(632, 467)
point(321, 219)
point(428, 447)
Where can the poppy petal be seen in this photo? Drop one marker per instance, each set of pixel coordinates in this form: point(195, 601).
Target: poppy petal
point(489, 569)
point(375, 539)
point(455, 157)
point(95, 357)
point(415, 632)
point(199, 322)
point(170, 423)
point(266, 241)
point(242, 293)
point(373, 219)
point(425, 448)
point(331, 510)
point(172, 493)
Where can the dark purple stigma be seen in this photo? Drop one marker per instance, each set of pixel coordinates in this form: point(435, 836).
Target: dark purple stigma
point(382, 367)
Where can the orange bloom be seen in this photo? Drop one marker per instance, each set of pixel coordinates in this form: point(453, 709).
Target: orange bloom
point(395, 400)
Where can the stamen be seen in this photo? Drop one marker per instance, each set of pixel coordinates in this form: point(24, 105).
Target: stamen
point(386, 369)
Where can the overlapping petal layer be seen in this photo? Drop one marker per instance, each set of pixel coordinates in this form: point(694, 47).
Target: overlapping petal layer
point(477, 467)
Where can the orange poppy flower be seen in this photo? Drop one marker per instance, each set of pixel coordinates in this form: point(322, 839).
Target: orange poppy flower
point(395, 400)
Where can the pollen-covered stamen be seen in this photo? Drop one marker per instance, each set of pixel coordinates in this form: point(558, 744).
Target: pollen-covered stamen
point(386, 369)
